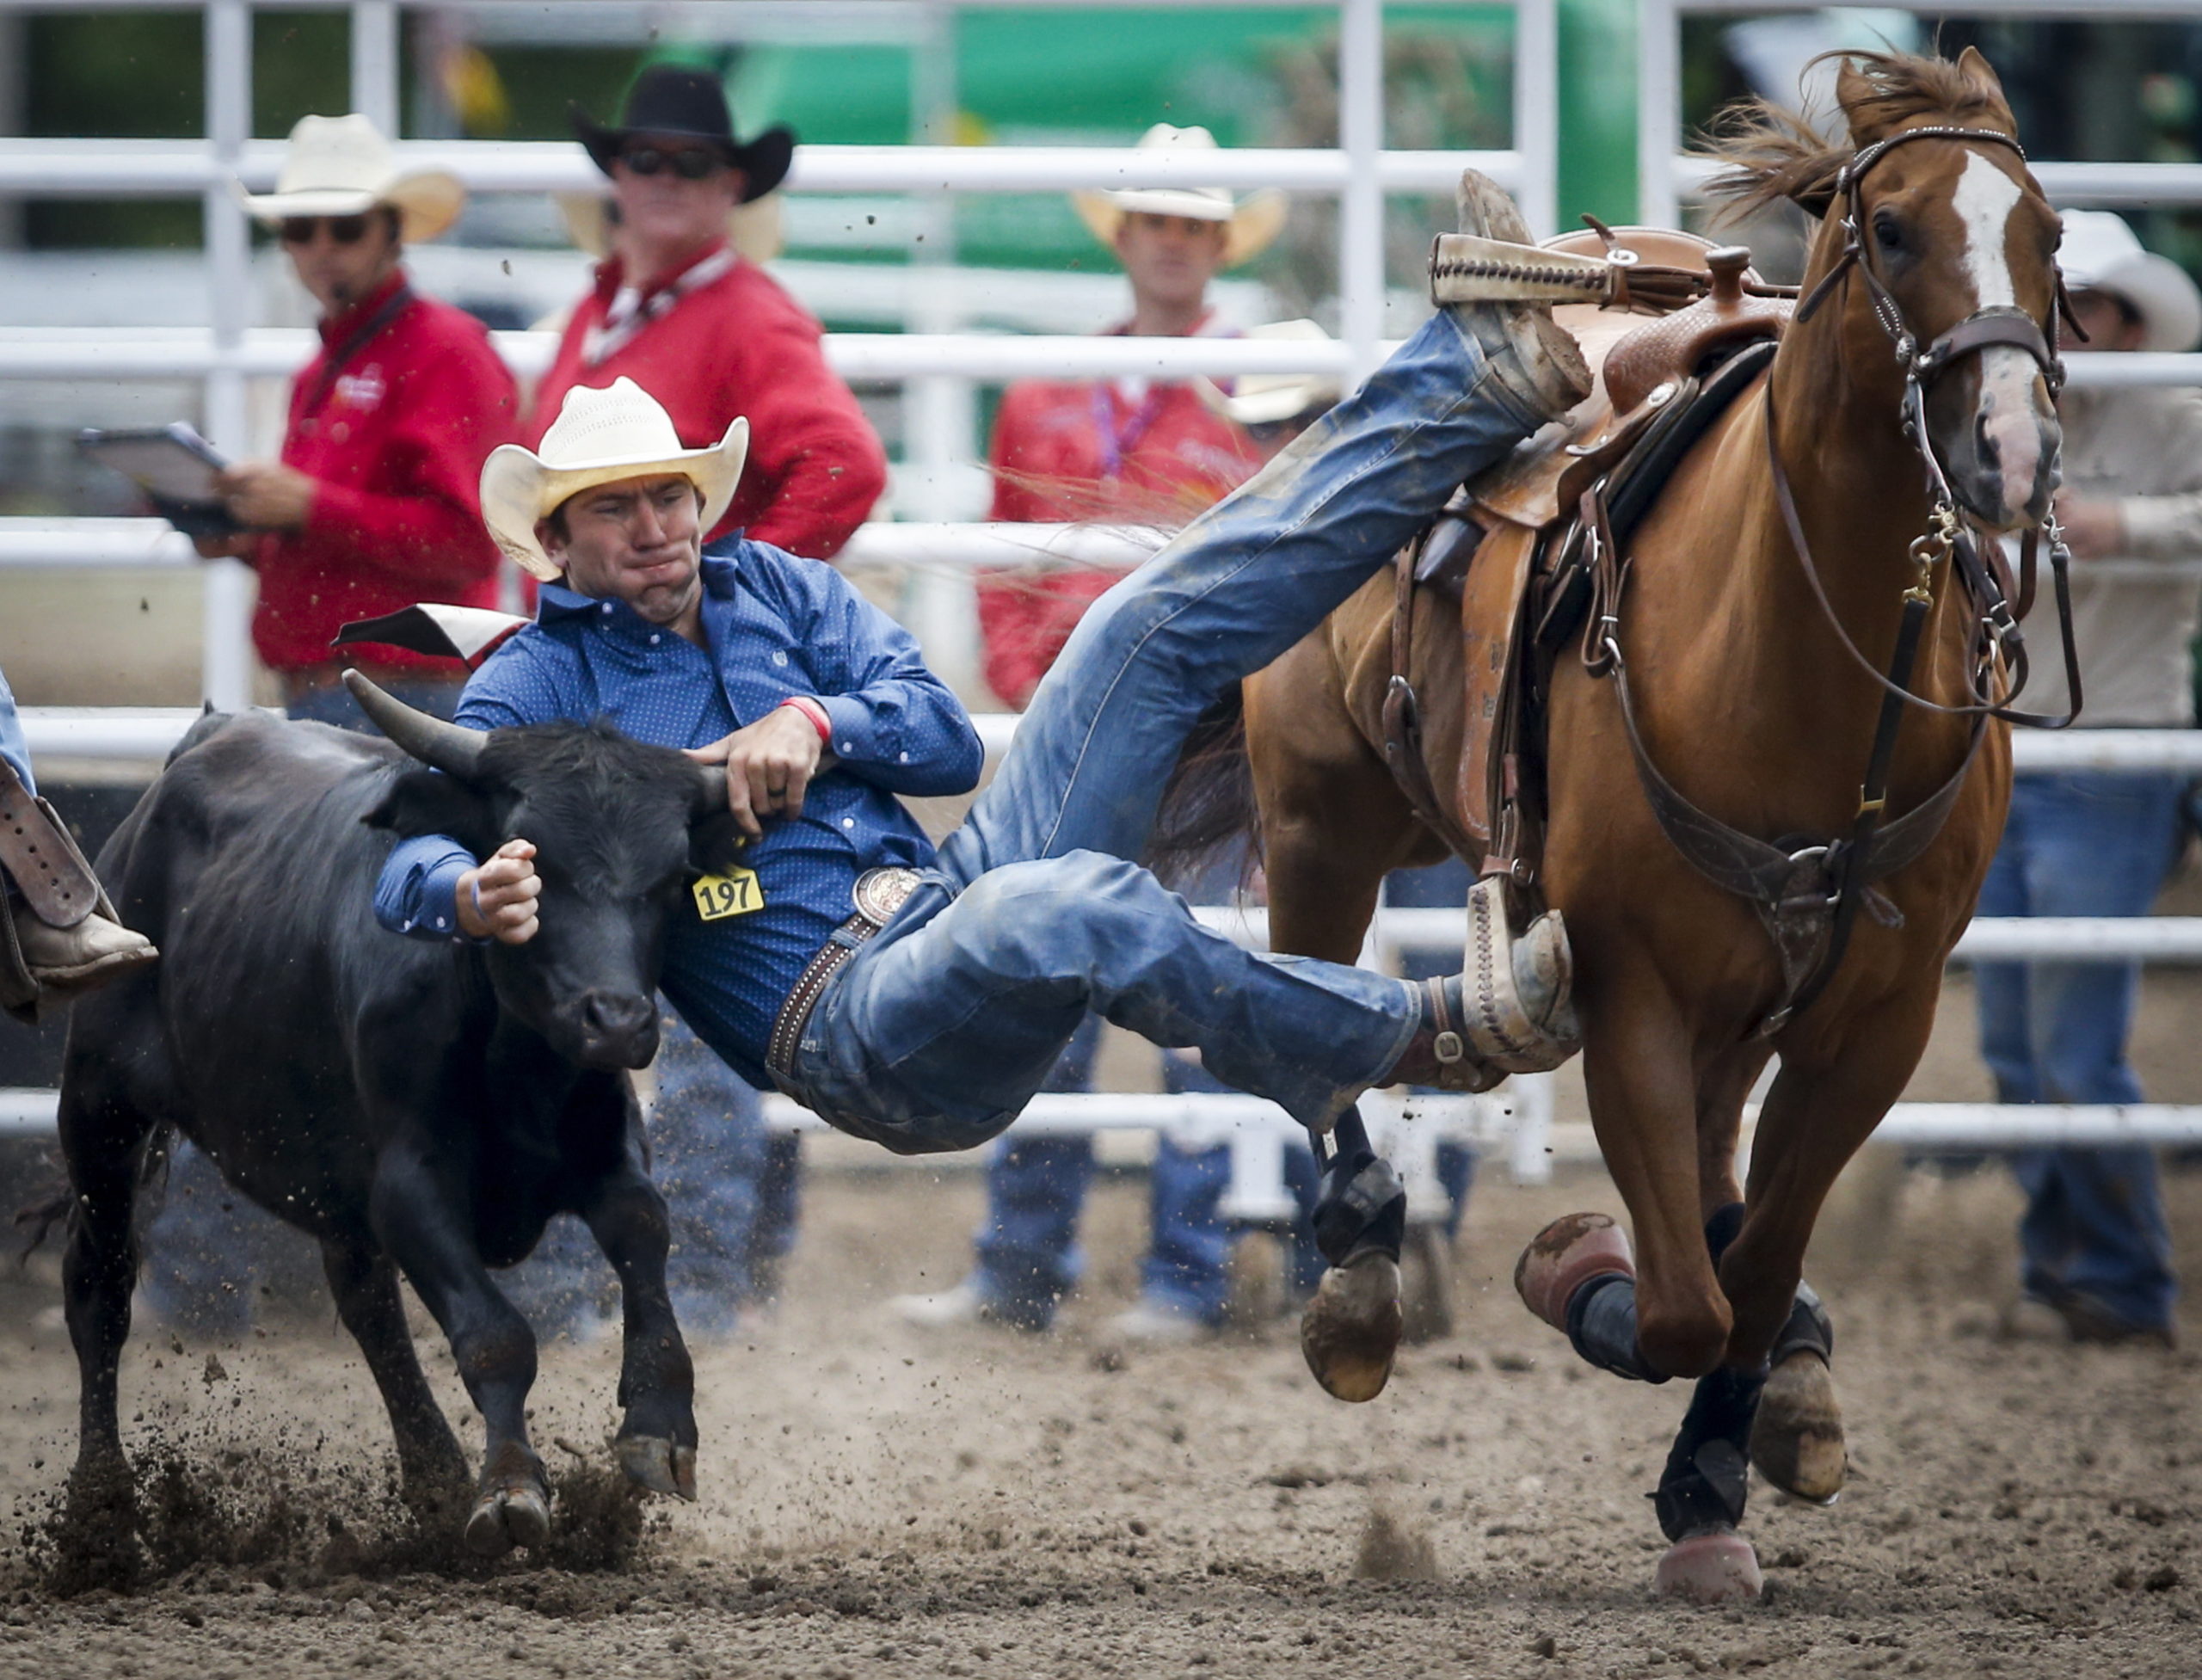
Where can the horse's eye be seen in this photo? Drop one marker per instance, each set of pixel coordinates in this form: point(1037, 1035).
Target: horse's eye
point(1888, 232)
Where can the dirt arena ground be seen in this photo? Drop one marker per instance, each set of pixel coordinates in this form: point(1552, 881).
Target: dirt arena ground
point(878, 1501)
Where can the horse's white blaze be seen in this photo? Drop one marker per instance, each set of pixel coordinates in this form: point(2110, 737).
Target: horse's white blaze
point(1984, 201)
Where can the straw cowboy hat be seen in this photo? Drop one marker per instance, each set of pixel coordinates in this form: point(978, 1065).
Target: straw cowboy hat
point(688, 105)
point(1254, 220)
point(753, 228)
point(2099, 253)
point(1264, 399)
point(341, 166)
point(600, 437)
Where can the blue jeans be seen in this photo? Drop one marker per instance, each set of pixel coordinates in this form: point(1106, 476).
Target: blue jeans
point(13, 748)
point(2085, 844)
point(209, 1249)
point(710, 1154)
point(938, 1031)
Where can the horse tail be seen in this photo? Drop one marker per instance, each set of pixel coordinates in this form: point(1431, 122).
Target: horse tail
point(1208, 809)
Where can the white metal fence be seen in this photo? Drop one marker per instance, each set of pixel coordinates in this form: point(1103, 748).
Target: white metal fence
point(1359, 171)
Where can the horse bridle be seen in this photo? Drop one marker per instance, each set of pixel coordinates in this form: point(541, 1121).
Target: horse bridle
point(1800, 891)
point(1999, 601)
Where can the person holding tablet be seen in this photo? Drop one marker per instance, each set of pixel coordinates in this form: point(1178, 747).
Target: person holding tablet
point(373, 505)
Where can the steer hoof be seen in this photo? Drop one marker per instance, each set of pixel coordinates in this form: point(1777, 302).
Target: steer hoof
point(517, 1515)
point(1710, 1569)
point(1351, 1328)
point(657, 1465)
point(1797, 1438)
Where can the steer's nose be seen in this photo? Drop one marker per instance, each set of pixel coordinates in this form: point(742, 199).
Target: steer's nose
point(619, 1029)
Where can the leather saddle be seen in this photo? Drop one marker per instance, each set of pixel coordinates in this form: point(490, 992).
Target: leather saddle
point(1509, 546)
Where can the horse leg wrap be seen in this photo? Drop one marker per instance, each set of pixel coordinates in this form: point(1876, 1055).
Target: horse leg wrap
point(1723, 1228)
point(1361, 1206)
point(1807, 1330)
point(1706, 1480)
point(1601, 1326)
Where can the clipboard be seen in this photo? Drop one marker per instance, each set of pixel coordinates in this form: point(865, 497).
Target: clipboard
point(175, 468)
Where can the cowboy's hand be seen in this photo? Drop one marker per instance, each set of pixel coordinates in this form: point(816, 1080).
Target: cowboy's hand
point(238, 546)
point(266, 495)
point(768, 767)
point(496, 899)
point(2093, 530)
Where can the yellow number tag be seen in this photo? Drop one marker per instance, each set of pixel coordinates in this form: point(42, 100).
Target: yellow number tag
point(734, 894)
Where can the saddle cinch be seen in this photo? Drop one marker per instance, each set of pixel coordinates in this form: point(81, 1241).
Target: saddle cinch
point(1515, 547)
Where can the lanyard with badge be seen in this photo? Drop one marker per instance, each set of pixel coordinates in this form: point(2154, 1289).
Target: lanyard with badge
point(1119, 441)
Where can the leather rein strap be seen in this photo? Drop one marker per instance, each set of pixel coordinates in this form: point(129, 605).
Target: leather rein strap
point(1402, 742)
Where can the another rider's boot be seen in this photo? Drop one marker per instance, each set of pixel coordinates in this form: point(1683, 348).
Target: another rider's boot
point(1511, 1010)
point(60, 936)
point(1538, 358)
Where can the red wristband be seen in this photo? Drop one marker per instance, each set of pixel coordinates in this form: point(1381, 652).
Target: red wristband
point(816, 713)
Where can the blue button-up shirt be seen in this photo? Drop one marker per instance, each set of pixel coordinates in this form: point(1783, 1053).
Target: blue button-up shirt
point(774, 626)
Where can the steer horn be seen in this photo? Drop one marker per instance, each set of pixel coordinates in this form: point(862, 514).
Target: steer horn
point(445, 747)
point(711, 789)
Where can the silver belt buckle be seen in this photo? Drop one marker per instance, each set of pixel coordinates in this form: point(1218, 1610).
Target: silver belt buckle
point(879, 893)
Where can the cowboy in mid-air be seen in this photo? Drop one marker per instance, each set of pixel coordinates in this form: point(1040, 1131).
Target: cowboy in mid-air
point(920, 998)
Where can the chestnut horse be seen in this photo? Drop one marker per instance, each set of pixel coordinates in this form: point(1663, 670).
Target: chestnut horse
point(1749, 703)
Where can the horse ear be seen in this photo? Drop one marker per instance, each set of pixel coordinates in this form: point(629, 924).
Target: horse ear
point(1854, 95)
point(1981, 76)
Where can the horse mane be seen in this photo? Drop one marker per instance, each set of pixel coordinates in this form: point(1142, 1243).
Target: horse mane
point(1768, 153)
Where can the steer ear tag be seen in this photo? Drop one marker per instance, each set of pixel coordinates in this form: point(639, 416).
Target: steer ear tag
point(734, 893)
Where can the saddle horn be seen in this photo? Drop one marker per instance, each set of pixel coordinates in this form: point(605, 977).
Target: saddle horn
point(442, 746)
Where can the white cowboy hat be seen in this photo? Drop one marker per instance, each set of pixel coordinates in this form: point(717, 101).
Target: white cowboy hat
point(2099, 253)
point(1264, 399)
point(1254, 220)
point(341, 166)
point(600, 437)
point(752, 229)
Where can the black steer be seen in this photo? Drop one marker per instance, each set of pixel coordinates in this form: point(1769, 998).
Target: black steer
point(422, 1108)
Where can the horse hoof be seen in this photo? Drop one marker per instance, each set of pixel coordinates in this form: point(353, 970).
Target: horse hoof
point(507, 1518)
point(1797, 1438)
point(657, 1465)
point(1711, 1569)
point(1351, 1328)
point(1565, 1255)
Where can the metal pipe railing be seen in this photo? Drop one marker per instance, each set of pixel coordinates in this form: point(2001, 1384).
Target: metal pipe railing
point(194, 353)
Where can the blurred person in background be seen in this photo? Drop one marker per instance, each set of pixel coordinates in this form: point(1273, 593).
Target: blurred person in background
point(1151, 453)
point(680, 306)
point(2096, 1250)
point(1274, 408)
point(373, 506)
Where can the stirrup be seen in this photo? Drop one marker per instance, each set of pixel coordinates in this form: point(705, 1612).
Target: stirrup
point(1517, 994)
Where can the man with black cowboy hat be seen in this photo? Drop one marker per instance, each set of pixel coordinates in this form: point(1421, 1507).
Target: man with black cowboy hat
point(678, 308)
point(920, 998)
point(706, 332)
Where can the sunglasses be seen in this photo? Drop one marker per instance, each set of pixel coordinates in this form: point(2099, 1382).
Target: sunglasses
point(690, 162)
point(344, 230)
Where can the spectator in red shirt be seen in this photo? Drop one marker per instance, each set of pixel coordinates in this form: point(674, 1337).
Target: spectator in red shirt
point(373, 506)
point(709, 334)
point(1147, 452)
point(1132, 451)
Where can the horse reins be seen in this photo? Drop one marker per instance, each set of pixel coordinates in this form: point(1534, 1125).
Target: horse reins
point(1789, 888)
